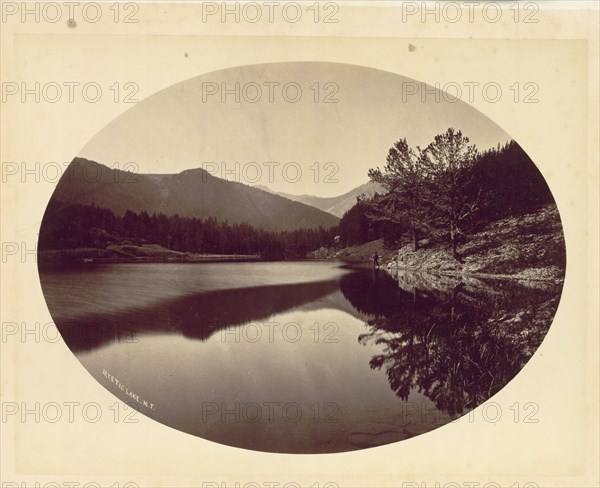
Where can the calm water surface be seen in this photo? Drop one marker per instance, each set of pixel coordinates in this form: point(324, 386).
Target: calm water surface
point(297, 357)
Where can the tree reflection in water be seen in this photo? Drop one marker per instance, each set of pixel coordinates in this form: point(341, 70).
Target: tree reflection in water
point(456, 342)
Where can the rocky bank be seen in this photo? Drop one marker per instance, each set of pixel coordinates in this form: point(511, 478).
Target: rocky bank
point(527, 247)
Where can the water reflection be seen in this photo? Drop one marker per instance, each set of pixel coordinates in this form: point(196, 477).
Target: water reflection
point(399, 344)
point(195, 316)
point(457, 343)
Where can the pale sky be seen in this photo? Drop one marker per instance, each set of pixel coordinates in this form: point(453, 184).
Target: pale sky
point(185, 126)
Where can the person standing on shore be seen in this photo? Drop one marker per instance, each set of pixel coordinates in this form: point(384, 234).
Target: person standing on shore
point(375, 260)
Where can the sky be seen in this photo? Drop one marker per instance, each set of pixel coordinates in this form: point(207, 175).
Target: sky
point(300, 128)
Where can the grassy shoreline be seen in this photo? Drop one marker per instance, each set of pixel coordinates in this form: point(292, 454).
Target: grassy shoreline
point(145, 253)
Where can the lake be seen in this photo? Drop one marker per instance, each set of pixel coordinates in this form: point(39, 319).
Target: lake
point(297, 357)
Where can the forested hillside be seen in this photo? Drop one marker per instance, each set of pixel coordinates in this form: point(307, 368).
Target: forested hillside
point(445, 193)
point(67, 226)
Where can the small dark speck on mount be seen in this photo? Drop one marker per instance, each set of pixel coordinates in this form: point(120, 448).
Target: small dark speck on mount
point(71, 23)
point(412, 48)
point(186, 55)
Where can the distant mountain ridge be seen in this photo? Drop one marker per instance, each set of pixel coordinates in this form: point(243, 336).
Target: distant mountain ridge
point(191, 193)
point(337, 206)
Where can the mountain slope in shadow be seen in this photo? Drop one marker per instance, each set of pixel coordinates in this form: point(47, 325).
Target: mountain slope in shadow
point(191, 193)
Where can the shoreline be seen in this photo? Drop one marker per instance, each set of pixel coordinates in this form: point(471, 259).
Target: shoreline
point(527, 247)
point(92, 256)
point(365, 264)
point(346, 263)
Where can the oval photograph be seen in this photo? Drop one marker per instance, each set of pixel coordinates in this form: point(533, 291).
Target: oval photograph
point(303, 257)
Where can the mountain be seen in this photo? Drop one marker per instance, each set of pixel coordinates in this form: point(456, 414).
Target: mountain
point(191, 193)
point(337, 206)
